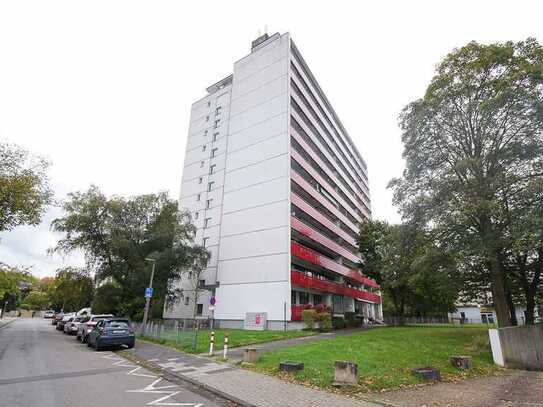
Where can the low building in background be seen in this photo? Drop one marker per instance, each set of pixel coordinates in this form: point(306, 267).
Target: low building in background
point(277, 190)
point(484, 314)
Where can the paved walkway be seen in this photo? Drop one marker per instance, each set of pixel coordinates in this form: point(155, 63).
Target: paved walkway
point(5, 321)
point(245, 387)
point(515, 389)
point(236, 354)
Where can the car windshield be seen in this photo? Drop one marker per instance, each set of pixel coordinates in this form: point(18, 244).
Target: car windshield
point(118, 324)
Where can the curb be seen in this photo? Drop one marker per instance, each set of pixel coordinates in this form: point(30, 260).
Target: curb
point(153, 367)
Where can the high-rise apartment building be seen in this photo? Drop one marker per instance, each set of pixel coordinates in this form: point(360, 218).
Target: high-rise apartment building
point(277, 189)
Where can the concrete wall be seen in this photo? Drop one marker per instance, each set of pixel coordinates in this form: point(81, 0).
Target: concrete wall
point(522, 346)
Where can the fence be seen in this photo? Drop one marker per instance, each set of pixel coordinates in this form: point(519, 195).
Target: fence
point(396, 321)
point(182, 333)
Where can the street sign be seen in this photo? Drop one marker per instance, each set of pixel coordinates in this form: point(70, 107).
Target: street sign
point(148, 292)
point(212, 300)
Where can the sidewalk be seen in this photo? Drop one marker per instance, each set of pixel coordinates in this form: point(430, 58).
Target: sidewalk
point(6, 321)
point(244, 387)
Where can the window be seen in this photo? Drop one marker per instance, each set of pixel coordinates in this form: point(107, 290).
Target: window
point(199, 309)
point(195, 215)
point(304, 298)
point(215, 136)
point(204, 147)
point(210, 185)
point(216, 125)
point(317, 299)
point(218, 110)
point(293, 297)
point(214, 152)
point(198, 197)
point(187, 299)
point(207, 221)
point(202, 164)
point(201, 283)
point(200, 180)
point(204, 241)
point(212, 168)
point(208, 203)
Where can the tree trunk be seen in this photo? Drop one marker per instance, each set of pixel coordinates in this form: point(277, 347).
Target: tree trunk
point(511, 306)
point(498, 291)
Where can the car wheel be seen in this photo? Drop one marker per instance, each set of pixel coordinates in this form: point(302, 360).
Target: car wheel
point(130, 345)
point(88, 343)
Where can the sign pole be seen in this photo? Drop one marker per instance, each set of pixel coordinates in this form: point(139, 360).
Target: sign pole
point(148, 295)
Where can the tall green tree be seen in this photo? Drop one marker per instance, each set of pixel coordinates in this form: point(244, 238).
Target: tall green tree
point(24, 187)
point(475, 136)
point(74, 288)
point(416, 276)
point(118, 234)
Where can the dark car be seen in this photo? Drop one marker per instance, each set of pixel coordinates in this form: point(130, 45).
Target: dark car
point(112, 332)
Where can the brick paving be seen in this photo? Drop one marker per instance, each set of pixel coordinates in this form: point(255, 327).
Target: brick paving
point(247, 387)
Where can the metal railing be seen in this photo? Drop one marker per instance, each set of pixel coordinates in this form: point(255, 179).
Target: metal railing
point(182, 333)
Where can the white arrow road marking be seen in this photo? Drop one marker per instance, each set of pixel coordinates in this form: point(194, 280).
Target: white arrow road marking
point(133, 373)
point(152, 389)
point(159, 402)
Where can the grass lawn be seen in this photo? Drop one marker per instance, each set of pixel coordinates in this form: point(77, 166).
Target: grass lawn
point(386, 355)
point(236, 337)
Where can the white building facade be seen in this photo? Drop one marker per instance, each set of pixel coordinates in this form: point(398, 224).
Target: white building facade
point(277, 190)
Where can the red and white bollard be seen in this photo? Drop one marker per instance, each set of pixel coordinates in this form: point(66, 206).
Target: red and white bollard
point(225, 347)
point(211, 343)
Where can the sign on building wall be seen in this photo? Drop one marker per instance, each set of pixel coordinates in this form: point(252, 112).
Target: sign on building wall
point(255, 321)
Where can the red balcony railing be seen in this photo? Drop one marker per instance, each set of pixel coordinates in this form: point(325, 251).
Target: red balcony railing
point(301, 280)
point(296, 312)
point(311, 256)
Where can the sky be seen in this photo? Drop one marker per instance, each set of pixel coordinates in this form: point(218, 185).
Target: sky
point(103, 89)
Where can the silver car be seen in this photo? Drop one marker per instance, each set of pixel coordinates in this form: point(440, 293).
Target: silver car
point(85, 328)
point(71, 326)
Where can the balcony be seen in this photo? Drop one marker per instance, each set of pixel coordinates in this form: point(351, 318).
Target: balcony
point(301, 280)
point(313, 257)
point(296, 312)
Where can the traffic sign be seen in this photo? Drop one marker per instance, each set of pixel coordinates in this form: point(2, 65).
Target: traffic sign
point(148, 292)
point(212, 301)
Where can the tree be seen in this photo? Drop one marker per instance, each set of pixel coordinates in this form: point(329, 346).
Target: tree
point(14, 284)
point(74, 288)
point(118, 234)
point(415, 274)
point(475, 136)
point(36, 300)
point(24, 187)
point(107, 299)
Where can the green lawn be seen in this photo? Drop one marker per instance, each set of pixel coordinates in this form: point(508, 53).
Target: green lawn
point(386, 355)
point(236, 337)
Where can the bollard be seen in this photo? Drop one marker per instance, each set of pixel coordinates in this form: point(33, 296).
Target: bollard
point(225, 347)
point(211, 343)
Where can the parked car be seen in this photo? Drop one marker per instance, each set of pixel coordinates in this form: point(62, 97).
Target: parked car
point(62, 322)
point(112, 332)
point(57, 317)
point(71, 326)
point(88, 325)
point(49, 314)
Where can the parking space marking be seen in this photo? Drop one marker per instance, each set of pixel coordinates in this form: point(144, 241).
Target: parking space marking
point(160, 402)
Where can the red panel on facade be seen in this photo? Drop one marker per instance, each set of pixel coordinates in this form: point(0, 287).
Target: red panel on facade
point(304, 253)
point(301, 280)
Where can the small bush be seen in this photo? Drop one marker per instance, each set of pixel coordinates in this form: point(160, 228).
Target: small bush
point(325, 321)
point(309, 316)
point(338, 323)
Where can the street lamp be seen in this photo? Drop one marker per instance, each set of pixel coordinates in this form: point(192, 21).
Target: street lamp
point(148, 294)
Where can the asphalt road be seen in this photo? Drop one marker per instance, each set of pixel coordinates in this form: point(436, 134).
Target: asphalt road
point(42, 367)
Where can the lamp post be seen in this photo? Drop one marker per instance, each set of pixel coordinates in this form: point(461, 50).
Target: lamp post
point(148, 296)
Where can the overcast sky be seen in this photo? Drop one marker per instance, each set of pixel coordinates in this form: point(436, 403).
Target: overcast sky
point(103, 88)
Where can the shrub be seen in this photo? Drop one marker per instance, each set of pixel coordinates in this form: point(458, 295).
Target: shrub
point(309, 316)
point(325, 321)
point(338, 323)
point(351, 321)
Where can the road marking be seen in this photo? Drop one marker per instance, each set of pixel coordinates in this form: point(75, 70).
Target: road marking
point(150, 388)
point(55, 376)
point(133, 373)
point(160, 402)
